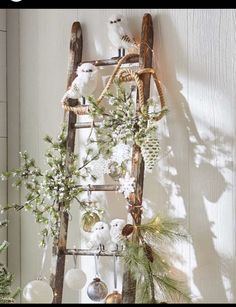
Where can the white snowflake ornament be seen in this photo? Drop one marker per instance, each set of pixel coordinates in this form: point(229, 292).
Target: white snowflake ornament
point(100, 167)
point(121, 152)
point(126, 185)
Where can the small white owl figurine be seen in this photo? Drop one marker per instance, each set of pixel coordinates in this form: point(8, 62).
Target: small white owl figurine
point(84, 84)
point(100, 236)
point(116, 227)
point(119, 34)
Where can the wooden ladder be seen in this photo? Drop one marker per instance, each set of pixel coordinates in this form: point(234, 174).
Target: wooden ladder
point(60, 250)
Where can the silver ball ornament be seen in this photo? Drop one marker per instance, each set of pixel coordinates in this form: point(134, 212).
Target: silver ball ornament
point(97, 290)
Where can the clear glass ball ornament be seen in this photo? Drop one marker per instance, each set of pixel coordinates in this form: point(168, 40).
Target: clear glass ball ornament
point(38, 291)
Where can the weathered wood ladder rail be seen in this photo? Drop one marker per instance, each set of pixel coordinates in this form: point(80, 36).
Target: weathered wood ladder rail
point(60, 246)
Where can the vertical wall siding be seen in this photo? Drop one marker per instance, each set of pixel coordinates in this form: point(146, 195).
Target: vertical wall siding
point(14, 140)
point(195, 54)
point(3, 119)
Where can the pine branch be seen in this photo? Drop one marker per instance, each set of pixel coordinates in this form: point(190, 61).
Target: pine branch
point(172, 290)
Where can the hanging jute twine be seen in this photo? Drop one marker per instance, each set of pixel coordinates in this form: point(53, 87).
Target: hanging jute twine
point(125, 75)
point(79, 109)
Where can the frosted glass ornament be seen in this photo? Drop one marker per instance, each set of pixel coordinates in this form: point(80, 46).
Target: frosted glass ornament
point(75, 279)
point(38, 291)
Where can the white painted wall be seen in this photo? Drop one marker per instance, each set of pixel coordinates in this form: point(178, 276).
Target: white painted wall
point(195, 179)
point(3, 121)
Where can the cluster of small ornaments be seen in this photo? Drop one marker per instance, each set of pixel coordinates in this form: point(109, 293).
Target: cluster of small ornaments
point(39, 291)
point(103, 236)
point(97, 290)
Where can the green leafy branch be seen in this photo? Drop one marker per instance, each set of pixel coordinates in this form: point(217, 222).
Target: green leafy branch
point(49, 192)
point(7, 296)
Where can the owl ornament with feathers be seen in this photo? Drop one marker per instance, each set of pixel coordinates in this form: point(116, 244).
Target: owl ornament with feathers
point(116, 227)
point(120, 35)
point(84, 84)
point(100, 236)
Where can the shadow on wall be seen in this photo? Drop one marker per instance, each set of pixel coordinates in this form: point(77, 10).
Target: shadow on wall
point(189, 174)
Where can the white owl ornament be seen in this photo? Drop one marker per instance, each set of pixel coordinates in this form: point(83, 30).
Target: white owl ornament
point(100, 236)
point(84, 84)
point(116, 227)
point(119, 34)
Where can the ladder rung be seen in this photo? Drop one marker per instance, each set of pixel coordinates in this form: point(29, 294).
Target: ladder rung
point(86, 125)
point(88, 252)
point(112, 61)
point(99, 187)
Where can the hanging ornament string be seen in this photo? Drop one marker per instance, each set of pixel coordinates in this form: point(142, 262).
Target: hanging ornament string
point(75, 260)
point(115, 272)
point(89, 194)
point(91, 129)
point(77, 14)
point(40, 275)
point(96, 265)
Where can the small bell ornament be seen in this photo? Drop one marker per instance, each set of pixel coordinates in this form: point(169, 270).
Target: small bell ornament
point(97, 290)
point(150, 150)
point(115, 297)
point(75, 278)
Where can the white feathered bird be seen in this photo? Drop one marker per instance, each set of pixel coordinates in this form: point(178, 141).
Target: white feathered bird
point(84, 84)
point(116, 227)
point(119, 33)
point(100, 236)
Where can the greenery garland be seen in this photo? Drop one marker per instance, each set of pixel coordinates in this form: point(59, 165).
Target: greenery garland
point(6, 278)
point(50, 192)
